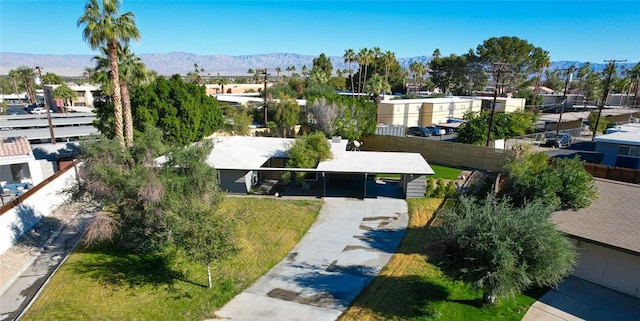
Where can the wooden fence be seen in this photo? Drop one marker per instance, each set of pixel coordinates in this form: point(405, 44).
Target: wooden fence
point(441, 152)
point(622, 174)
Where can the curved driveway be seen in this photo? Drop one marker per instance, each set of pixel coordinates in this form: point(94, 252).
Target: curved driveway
point(347, 246)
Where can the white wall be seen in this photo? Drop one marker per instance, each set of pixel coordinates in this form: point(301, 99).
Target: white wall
point(41, 203)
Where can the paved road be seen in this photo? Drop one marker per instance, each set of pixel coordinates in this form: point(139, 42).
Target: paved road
point(27, 284)
point(348, 245)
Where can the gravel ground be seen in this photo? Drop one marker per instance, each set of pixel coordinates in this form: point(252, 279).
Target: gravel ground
point(19, 255)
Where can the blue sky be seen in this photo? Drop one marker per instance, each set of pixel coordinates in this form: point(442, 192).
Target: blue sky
point(569, 30)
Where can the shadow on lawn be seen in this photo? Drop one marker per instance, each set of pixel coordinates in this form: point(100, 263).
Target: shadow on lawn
point(127, 269)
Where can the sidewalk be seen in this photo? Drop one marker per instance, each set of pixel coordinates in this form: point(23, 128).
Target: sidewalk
point(35, 259)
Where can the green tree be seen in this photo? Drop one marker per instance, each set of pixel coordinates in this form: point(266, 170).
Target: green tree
point(26, 75)
point(307, 152)
point(238, 120)
point(15, 77)
point(563, 183)
point(602, 123)
point(182, 110)
point(284, 112)
point(322, 64)
point(376, 85)
point(65, 93)
point(504, 250)
point(522, 57)
point(506, 125)
point(104, 26)
point(52, 79)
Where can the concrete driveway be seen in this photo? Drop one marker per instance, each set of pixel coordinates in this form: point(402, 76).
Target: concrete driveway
point(577, 299)
point(348, 245)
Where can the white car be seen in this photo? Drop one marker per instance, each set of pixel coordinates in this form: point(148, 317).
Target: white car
point(38, 110)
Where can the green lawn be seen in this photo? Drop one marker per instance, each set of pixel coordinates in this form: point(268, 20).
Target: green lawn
point(412, 287)
point(445, 172)
point(102, 284)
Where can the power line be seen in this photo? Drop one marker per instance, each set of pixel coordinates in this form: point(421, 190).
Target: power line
point(605, 93)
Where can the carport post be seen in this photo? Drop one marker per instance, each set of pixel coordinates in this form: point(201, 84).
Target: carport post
point(324, 185)
point(365, 186)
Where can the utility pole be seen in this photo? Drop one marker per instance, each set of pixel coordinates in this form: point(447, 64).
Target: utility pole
point(567, 77)
point(498, 68)
point(53, 138)
point(605, 93)
point(264, 96)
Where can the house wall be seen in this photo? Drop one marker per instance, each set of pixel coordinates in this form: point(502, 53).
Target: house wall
point(414, 186)
point(402, 114)
point(234, 181)
point(608, 267)
point(33, 206)
point(610, 157)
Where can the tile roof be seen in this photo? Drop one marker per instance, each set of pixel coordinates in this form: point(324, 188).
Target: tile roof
point(14, 146)
point(612, 219)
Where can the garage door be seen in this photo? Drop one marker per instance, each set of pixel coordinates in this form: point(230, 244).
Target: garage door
point(608, 267)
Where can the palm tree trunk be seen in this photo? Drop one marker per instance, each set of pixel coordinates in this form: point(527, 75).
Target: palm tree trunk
point(351, 76)
point(15, 87)
point(128, 120)
point(117, 99)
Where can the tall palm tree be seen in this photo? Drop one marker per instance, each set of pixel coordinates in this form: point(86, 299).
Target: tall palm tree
point(376, 86)
point(544, 62)
point(105, 26)
point(89, 73)
point(350, 56)
point(133, 72)
point(376, 53)
point(583, 73)
point(388, 58)
point(26, 76)
point(278, 70)
point(13, 74)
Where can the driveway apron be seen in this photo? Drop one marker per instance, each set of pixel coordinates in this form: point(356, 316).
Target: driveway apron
point(347, 246)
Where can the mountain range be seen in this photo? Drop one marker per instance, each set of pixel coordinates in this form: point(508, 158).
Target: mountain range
point(213, 65)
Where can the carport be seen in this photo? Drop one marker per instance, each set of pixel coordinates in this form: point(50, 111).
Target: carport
point(243, 161)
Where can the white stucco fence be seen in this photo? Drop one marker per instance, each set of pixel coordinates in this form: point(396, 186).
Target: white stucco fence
point(35, 205)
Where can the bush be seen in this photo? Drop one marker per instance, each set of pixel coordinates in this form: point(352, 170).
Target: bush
point(441, 191)
point(430, 189)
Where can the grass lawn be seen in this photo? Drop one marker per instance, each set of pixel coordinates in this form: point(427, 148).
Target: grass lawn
point(411, 288)
point(445, 172)
point(101, 284)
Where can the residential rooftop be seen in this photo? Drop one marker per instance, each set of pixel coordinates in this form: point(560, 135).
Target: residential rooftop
point(613, 219)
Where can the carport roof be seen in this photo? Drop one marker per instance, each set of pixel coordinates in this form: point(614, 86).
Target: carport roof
point(612, 219)
point(250, 153)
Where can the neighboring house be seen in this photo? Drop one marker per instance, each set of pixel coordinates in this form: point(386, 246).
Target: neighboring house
point(243, 161)
point(553, 101)
point(213, 89)
point(503, 104)
point(607, 236)
point(18, 166)
point(85, 96)
point(621, 148)
point(542, 90)
point(425, 112)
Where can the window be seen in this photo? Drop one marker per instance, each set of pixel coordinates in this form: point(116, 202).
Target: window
point(627, 150)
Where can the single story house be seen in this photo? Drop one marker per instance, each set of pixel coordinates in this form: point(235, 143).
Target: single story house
point(607, 234)
point(18, 166)
point(242, 161)
point(621, 148)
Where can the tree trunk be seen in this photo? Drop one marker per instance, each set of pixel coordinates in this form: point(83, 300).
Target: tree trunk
point(117, 99)
point(488, 297)
point(128, 120)
point(209, 275)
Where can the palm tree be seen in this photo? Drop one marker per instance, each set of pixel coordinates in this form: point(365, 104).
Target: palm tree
point(583, 73)
point(278, 70)
point(26, 75)
point(418, 70)
point(350, 56)
point(388, 58)
point(376, 86)
point(376, 54)
point(544, 62)
point(304, 71)
point(13, 74)
point(89, 73)
point(133, 72)
point(104, 26)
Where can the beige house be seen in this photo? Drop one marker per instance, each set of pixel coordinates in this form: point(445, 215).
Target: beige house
point(427, 111)
point(504, 104)
point(85, 96)
point(213, 89)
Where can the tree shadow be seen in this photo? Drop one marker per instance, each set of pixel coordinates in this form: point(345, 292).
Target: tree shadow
point(70, 150)
point(32, 230)
point(108, 266)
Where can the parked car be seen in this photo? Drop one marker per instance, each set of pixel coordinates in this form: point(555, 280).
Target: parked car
point(418, 131)
point(436, 131)
point(12, 112)
point(38, 110)
point(563, 140)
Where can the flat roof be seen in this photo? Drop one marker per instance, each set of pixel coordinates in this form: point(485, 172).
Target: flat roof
point(250, 153)
point(625, 138)
point(611, 219)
